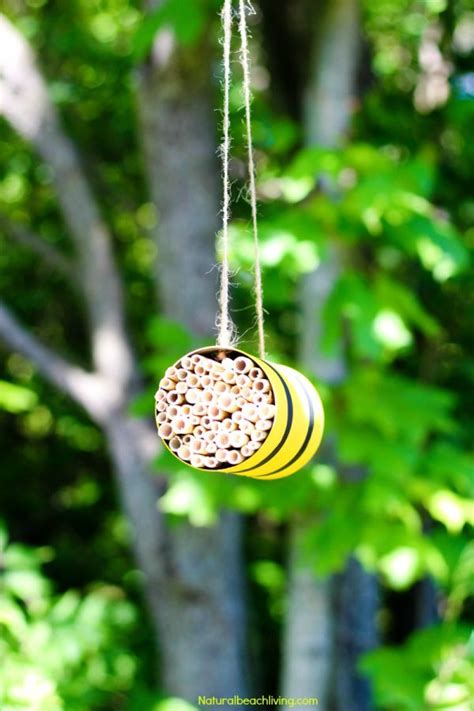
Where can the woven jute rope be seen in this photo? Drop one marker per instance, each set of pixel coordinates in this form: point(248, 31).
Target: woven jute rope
point(226, 328)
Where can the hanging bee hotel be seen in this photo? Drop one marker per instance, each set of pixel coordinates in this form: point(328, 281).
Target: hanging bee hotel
point(219, 408)
point(237, 414)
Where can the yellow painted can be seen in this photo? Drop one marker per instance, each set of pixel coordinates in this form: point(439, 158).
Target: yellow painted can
point(298, 425)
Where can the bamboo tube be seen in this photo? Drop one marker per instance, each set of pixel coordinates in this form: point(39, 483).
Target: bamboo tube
point(165, 431)
point(228, 376)
point(263, 399)
point(247, 394)
point(175, 443)
point(206, 422)
point(173, 411)
point(216, 371)
point(227, 403)
point(243, 381)
point(199, 431)
point(195, 420)
point(246, 427)
point(181, 373)
point(256, 374)
point(196, 359)
point(205, 381)
point(261, 385)
point(185, 410)
point(215, 413)
point(174, 398)
point(215, 426)
point(209, 437)
point(223, 440)
point(184, 453)
point(192, 380)
point(161, 418)
point(210, 462)
point(187, 439)
point(161, 406)
point(220, 387)
point(181, 425)
point(228, 425)
point(237, 416)
point(221, 456)
point(160, 394)
point(181, 387)
point(207, 397)
point(167, 384)
point(242, 364)
point(193, 396)
point(200, 370)
point(263, 425)
point(171, 373)
point(197, 445)
point(238, 439)
point(197, 461)
point(234, 457)
point(254, 446)
point(258, 435)
point(235, 390)
point(187, 363)
point(250, 412)
point(267, 412)
point(228, 364)
point(208, 364)
point(199, 409)
point(241, 401)
point(211, 447)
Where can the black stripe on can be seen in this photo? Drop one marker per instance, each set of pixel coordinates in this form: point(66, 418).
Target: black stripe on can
point(307, 438)
point(289, 424)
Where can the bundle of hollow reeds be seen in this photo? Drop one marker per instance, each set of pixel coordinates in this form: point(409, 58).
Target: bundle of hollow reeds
point(214, 412)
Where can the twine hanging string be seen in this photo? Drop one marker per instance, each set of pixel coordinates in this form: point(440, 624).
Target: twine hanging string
point(226, 329)
point(245, 60)
point(225, 326)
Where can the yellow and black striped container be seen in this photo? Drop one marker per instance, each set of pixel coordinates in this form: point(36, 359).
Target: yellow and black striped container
point(298, 425)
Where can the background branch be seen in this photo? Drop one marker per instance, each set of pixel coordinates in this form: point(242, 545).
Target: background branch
point(90, 390)
point(25, 103)
point(51, 256)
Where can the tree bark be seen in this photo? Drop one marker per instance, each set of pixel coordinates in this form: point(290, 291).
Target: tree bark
point(308, 646)
point(357, 603)
point(322, 640)
point(203, 632)
point(192, 577)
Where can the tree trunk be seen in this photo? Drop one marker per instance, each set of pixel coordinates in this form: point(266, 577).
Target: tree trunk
point(308, 648)
point(203, 611)
point(193, 577)
point(357, 602)
point(322, 642)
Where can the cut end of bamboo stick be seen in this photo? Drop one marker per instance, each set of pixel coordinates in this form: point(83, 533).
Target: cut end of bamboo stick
point(165, 431)
point(234, 458)
point(242, 365)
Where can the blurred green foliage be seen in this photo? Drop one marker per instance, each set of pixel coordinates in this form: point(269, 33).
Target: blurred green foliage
point(66, 651)
point(396, 203)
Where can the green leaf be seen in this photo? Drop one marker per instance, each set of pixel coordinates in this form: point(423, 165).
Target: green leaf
point(398, 407)
point(394, 295)
point(351, 300)
point(16, 398)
